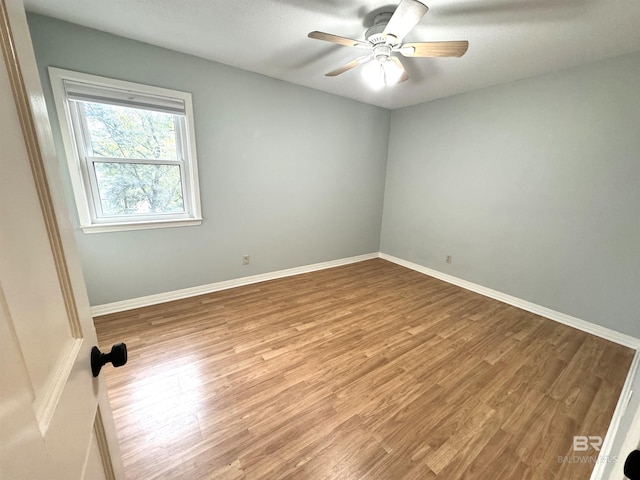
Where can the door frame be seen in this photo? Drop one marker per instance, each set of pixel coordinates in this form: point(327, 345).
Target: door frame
point(626, 429)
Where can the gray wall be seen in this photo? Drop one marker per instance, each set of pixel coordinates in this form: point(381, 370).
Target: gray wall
point(533, 187)
point(289, 175)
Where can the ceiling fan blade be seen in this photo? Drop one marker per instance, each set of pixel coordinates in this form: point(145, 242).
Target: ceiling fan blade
point(434, 49)
point(405, 75)
point(348, 66)
point(327, 37)
point(406, 16)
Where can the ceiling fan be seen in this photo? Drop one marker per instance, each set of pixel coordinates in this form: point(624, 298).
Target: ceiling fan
point(384, 39)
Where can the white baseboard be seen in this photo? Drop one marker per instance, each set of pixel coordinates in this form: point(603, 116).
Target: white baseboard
point(598, 330)
point(146, 301)
point(592, 328)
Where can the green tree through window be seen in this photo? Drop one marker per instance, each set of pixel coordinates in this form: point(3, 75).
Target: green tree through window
point(135, 187)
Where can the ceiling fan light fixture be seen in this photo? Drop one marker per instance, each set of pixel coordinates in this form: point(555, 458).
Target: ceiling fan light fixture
point(374, 75)
point(392, 72)
point(382, 72)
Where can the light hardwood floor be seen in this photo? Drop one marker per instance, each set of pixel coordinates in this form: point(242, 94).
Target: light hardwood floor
point(367, 371)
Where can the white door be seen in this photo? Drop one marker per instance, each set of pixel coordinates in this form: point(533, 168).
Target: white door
point(628, 432)
point(55, 421)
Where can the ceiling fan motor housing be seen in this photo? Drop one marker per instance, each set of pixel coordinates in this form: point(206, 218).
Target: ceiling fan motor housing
point(374, 33)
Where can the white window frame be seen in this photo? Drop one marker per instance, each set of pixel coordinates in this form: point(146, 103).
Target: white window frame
point(80, 163)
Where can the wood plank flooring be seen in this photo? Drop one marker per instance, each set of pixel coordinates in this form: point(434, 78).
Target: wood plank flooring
point(366, 371)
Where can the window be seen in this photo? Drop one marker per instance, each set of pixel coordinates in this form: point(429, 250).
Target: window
point(131, 152)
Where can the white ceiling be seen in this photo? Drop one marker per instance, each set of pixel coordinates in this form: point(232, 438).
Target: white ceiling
point(508, 39)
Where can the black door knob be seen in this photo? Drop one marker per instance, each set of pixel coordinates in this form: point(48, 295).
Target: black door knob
point(632, 465)
point(117, 356)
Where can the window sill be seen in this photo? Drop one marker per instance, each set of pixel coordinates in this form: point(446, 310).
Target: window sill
point(121, 227)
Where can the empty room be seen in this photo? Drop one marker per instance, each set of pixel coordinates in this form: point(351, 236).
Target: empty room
point(320, 240)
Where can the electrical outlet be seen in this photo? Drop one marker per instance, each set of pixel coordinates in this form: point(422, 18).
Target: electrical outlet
point(245, 259)
point(448, 259)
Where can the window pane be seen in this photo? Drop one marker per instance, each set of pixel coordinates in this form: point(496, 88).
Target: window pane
point(122, 132)
point(139, 189)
